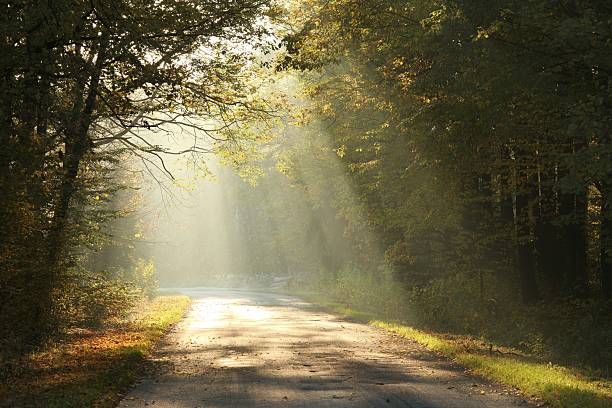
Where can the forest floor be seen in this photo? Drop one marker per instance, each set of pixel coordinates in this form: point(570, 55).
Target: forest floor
point(89, 368)
point(247, 349)
point(557, 386)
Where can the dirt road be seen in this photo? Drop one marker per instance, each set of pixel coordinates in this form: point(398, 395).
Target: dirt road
point(242, 349)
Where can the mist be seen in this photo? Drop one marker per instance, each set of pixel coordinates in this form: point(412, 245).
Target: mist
point(214, 227)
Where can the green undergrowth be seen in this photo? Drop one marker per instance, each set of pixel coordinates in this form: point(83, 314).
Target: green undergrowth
point(556, 385)
point(90, 368)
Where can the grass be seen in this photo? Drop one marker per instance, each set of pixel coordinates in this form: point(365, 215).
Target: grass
point(556, 385)
point(90, 368)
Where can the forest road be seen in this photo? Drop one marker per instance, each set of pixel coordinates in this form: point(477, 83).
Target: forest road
point(245, 349)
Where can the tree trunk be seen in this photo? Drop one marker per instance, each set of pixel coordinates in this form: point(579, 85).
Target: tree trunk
point(76, 147)
point(547, 242)
point(580, 239)
point(575, 245)
point(525, 245)
point(606, 241)
point(550, 255)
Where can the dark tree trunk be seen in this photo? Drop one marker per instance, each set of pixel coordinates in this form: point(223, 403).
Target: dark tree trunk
point(579, 234)
point(550, 256)
point(476, 217)
point(526, 263)
point(525, 243)
point(76, 147)
point(574, 207)
point(574, 210)
point(606, 241)
point(547, 240)
point(507, 188)
point(507, 207)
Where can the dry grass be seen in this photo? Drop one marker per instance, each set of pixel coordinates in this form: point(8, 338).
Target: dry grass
point(89, 368)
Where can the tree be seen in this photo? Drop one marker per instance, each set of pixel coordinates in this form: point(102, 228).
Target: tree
point(78, 76)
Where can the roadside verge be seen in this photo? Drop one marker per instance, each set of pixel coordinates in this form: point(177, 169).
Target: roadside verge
point(90, 367)
point(555, 385)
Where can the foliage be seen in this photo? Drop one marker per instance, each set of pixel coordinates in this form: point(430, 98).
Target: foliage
point(570, 331)
point(462, 128)
point(374, 293)
point(143, 277)
point(88, 299)
point(574, 332)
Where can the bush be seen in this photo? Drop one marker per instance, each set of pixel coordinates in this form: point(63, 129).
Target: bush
point(143, 277)
point(86, 298)
point(372, 292)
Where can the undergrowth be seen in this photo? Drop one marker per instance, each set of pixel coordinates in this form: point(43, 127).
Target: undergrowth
point(569, 331)
point(558, 352)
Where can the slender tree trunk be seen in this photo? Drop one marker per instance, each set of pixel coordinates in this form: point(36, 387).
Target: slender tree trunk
point(525, 197)
point(606, 241)
point(507, 209)
point(526, 258)
point(507, 187)
point(575, 244)
point(547, 240)
point(574, 208)
point(550, 255)
point(580, 238)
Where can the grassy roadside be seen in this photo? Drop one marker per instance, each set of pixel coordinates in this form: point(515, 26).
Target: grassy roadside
point(91, 367)
point(556, 385)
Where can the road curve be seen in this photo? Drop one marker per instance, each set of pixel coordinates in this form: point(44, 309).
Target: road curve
point(245, 349)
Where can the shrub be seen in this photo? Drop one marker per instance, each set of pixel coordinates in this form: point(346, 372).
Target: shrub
point(143, 277)
point(86, 298)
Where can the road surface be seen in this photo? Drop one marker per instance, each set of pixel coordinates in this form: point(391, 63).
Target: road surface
point(242, 349)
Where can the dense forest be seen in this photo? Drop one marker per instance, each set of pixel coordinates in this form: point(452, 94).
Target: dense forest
point(453, 166)
point(447, 162)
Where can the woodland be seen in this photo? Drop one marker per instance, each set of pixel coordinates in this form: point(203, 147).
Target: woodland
point(447, 163)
